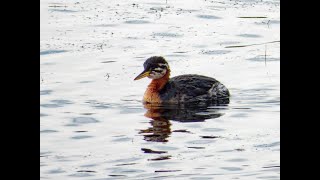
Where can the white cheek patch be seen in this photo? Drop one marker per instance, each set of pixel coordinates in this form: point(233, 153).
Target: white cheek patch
point(157, 75)
point(159, 69)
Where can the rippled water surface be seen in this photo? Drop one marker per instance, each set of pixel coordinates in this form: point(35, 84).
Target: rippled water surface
point(93, 124)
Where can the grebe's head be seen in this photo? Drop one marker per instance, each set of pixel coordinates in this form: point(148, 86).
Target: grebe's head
point(154, 68)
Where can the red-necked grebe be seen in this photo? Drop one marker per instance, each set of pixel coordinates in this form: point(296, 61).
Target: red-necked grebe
point(187, 88)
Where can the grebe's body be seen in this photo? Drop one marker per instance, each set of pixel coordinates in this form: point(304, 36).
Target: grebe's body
point(180, 89)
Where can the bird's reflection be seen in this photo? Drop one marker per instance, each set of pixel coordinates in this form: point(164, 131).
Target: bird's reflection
point(162, 115)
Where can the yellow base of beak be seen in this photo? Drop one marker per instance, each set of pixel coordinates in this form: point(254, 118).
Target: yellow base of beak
point(142, 75)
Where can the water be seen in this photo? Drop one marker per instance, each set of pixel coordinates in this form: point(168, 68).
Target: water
point(93, 124)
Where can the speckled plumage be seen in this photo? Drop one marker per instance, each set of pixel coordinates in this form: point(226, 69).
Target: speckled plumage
point(193, 88)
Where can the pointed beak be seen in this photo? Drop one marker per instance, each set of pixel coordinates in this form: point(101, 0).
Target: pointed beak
point(144, 73)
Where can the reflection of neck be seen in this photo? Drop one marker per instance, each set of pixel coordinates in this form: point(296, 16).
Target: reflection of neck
point(160, 130)
point(152, 92)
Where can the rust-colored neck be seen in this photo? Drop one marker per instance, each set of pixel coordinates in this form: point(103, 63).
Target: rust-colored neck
point(157, 84)
point(152, 93)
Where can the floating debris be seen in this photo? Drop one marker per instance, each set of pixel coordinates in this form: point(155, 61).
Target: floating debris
point(107, 75)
